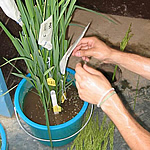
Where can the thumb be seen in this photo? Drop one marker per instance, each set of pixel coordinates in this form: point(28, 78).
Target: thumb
point(84, 52)
point(91, 70)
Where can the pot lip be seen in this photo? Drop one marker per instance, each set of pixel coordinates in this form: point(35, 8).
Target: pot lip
point(44, 127)
point(3, 136)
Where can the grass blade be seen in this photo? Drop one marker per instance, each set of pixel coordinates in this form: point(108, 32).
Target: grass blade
point(8, 91)
point(18, 58)
point(89, 10)
point(123, 45)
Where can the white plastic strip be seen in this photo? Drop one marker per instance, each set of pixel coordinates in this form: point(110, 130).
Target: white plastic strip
point(11, 10)
point(44, 140)
point(64, 60)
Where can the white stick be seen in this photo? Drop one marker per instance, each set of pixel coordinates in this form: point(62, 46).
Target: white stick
point(54, 102)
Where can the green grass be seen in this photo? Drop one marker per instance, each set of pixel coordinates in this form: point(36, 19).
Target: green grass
point(95, 136)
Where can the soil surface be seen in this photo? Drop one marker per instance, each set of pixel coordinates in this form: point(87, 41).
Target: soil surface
point(130, 8)
point(34, 110)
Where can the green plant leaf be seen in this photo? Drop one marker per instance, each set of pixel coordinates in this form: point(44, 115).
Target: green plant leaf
point(12, 65)
point(23, 14)
point(14, 59)
point(49, 70)
point(126, 39)
point(89, 10)
point(6, 31)
point(8, 91)
point(30, 80)
point(30, 8)
point(63, 10)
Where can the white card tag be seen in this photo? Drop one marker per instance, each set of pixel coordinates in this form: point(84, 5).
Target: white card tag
point(64, 60)
point(45, 34)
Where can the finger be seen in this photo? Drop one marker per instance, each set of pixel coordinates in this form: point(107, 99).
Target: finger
point(84, 58)
point(81, 45)
point(87, 59)
point(92, 71)
point(77, 77)
point(75, 50)
point(84, 43)
point(78, 65)
point(80, 71)
point(84, 52)
point(77, 68)
point(77, 85)
point(87, 40)
point(85, 47)
point(78, 48)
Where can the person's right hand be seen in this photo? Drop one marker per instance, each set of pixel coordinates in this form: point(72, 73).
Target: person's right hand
point(92, 47)
point(91, 84)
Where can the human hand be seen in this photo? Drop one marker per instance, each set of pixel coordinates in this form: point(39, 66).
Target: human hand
point(91, 84)
point(92, 46)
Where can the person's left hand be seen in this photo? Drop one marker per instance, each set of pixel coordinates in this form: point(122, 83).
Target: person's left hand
point(91, 84)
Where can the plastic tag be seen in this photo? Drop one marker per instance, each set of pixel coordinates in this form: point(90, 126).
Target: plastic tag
point(56, 108)
point(51, 82)
point(64, 60)
point(45, 34)
point(11, 10)
point(63, 97)
point(31, 56)
point(39, 52)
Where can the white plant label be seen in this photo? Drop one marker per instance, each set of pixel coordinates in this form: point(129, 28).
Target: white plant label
point(11, 10)
point(53, 97)
point(45, 34)
point(56, 108)
point(64, 60)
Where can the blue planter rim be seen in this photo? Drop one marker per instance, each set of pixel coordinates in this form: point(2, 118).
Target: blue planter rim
point(44, 127)
point(3, 137)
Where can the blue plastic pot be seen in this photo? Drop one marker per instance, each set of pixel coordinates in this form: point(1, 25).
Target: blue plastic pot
point(58, 132)
point(3, 137)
